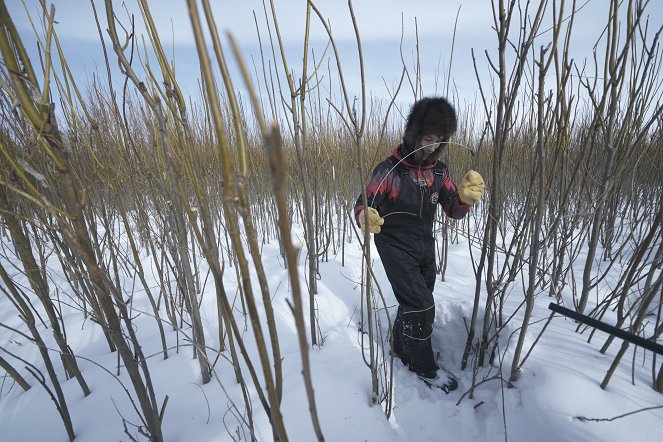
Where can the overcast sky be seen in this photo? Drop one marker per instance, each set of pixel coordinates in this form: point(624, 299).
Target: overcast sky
point(380, 24)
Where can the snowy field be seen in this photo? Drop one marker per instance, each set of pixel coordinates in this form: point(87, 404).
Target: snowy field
point(560, 380)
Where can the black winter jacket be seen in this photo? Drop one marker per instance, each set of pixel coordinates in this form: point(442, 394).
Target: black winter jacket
point(406, 195)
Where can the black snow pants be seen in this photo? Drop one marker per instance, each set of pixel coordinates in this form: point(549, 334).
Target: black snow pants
point(412, 279)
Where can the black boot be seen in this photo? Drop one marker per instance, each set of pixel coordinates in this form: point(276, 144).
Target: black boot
point(441, 379)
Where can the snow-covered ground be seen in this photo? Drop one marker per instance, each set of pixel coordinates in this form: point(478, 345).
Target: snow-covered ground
point(560, 381)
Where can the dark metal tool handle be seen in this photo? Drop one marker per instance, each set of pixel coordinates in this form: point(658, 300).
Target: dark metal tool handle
point(610, 329)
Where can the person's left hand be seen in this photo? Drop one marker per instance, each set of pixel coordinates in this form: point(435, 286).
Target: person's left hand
point(471, 188)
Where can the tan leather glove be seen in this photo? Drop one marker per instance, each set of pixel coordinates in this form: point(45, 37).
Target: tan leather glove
point(374, 220)
point(471, 188)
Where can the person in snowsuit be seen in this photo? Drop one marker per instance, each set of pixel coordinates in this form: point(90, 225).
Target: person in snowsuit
point(403, 193)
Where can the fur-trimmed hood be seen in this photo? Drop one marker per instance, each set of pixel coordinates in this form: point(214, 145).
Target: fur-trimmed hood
point(428, 116)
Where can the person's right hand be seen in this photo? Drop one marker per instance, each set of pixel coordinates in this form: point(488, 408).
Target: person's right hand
point(374, 220)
